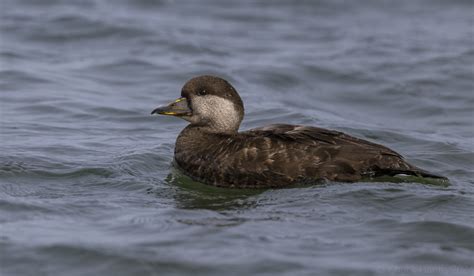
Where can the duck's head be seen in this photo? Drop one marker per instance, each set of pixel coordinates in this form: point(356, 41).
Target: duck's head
point(209, 102)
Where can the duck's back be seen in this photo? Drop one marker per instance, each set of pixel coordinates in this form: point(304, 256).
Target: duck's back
point(282, 155)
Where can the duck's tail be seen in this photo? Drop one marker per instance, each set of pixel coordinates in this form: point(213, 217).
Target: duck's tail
point(415, 171)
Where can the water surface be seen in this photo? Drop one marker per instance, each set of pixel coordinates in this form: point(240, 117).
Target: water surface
point(86, 183)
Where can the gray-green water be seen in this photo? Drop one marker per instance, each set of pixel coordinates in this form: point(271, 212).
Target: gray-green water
point(86, 184)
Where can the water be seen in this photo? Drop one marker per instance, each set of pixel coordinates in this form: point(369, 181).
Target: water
point(86, 183)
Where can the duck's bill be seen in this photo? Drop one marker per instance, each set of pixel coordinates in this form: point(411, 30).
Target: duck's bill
point(177, 108)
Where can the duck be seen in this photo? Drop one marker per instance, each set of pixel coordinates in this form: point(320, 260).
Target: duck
point(211, 150)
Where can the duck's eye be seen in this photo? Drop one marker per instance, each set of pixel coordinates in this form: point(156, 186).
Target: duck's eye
point(202, 92)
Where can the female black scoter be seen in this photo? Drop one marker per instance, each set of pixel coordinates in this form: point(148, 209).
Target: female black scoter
point(211, 150)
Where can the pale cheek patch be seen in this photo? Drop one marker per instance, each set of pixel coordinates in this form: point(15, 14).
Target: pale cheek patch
point(219, 112)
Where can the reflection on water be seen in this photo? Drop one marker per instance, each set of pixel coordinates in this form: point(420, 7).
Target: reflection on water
point(194, 195)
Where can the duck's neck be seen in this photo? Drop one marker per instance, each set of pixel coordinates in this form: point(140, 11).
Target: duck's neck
point(213, 128)
point(221, 125)
point(193, 139)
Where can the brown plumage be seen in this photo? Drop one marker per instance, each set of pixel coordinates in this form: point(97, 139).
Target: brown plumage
point(212, 151)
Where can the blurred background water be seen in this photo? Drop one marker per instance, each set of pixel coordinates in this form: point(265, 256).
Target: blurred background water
point(86, 183)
